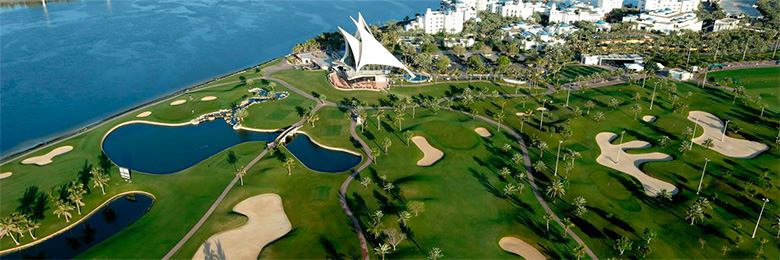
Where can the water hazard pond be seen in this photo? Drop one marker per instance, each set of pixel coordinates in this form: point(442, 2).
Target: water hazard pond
point(108, 221)
point(164, 150)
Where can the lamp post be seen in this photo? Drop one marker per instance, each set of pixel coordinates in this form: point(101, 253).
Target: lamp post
point(652, 99)
point(706, 160)
point(759, 217)
point(558, 156)
point(620, 147)
point(694, 133)
point(724, 130)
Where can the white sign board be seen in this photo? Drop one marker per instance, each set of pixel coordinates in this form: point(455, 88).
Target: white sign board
point(124, 173)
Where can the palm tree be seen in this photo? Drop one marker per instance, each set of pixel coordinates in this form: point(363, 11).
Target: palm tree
point(739, 90)
point(404, 216)
point(499, 117)
point(636, 108)
point(663, 141)
point(232, 159)
point(547, 218)
point(665, 194)
point(567, 224)
point(623, 244)
point(7, 226)
point(240, 174)
point(240, 114)
point(375, 152)
point(505, 172)
point(376, 229)
point(382, 250)
point(435, 254)
point(539, 166)
point(613, 103)
point(776, 225)
point(408, 136)
point(399, 116)
point(316, 117)
point(589, 105)
point(289, 163)
point(685, 146)
point(648, 235)
point(709, 143)
point(762, 106)
point(386, 143)
point(416, 207)
point(379, 113)
point(555, 190)
point(63, 208)
point(517, 158)
point(599, 117)
point(76, 195)
point(579, 201)
point(99, 179)
point(579, 251)
point(694, 212)
point(542, 146)
point(31, 226)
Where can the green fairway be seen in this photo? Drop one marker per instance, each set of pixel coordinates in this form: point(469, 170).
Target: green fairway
point(466, 211)
point(571, 72)
point(762, 82)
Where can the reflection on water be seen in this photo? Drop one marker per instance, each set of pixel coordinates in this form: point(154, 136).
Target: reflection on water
point(116, 216)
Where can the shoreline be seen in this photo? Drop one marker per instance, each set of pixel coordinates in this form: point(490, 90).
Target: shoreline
point(4, 159)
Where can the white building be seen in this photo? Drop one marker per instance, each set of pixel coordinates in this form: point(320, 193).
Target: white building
point(478, 5)
point(448, 21)
point(537, 36)
point(675, 5)
point(725, 24)
point(606, 6)
point(465, 42)
point(364, 51)
point(666, 21)
point(680, 75)
point(573, 13)
point(519, 8)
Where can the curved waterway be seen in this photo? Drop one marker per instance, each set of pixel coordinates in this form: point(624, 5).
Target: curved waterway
point(169, 149)
point(321, 159)
point(108, 221)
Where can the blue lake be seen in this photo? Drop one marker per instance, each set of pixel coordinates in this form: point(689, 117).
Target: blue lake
point(109, 220)
point(165, 150)
point(321, 159)
point(73, 64)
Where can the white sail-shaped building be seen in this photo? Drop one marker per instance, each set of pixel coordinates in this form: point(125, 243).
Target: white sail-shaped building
point(365, 59)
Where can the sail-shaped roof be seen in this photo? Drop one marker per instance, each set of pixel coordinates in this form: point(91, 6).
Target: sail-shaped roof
point(366, 50)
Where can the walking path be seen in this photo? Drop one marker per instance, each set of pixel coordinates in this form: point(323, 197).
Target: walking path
point(343, 189)
point(225, 192)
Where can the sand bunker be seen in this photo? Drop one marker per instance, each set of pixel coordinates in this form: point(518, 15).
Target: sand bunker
point(46, 158)
point(629, 163)
point(481, 131)
point(208, 98)
point(5, 175)
point(267, 222)
point(731, 147)
point(520, 247)
point(144, 114)
point(542, 109)
point(649, 119)
point(430, 154)
point(178, 102)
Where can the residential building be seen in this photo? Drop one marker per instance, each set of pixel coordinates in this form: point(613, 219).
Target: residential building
point(448, 21)
point(675, 5)
point(680, 75)
point(666, 21)
point(537, 36)
point(519, 8)
point(574, 13)
point(606, 6)
point(725, 24)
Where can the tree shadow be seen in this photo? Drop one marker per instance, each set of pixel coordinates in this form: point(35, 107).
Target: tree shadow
point(330, 248)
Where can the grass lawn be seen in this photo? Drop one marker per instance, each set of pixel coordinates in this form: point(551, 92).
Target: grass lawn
point(315, 83)
point(761, 82)
point(616, 203)
point(571, 72)
point(465, 211)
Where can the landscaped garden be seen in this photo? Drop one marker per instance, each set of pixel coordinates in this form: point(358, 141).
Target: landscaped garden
point(475, 195)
